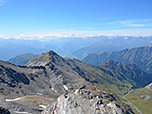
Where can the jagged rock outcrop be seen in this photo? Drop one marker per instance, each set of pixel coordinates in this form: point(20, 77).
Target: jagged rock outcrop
point(82, 101)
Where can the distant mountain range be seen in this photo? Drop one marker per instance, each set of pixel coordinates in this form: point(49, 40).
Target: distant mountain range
point(73, 47)
point(112, 44)
point(22, 59)
point(141, 56)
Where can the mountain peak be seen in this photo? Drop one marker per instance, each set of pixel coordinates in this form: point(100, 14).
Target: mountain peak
point(52, 53)
point(45, 58)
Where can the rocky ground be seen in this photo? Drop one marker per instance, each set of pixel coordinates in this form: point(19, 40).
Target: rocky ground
point(52, 84)
point(83, 101)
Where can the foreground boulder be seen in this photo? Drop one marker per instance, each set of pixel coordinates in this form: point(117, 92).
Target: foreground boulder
point(82, 101)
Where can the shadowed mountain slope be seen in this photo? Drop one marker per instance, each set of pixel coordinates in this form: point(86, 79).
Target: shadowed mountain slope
point(141, 56)
point(127, 73)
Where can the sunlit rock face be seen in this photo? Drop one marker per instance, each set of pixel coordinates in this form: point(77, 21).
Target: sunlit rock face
point(82, 101)
point(149, 86)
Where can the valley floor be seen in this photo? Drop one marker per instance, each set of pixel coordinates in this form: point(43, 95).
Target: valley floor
point(140, 100)
point(129, 103)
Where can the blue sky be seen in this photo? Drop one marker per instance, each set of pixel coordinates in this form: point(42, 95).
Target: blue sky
point(75, 16)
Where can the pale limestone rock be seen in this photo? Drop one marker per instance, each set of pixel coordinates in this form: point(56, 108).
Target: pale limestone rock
point(79, 102)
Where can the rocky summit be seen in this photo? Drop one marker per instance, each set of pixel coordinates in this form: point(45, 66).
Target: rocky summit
point(82, 101)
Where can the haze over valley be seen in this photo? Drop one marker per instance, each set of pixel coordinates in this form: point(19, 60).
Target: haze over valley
point(73, 47)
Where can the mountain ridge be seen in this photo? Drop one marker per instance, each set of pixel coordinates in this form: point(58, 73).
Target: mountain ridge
point(141, 56)
point(126, 72)
point(50, 75)
point(91, 73)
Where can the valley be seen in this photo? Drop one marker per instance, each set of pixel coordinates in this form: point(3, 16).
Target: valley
point(129, 103)
point(141, 98)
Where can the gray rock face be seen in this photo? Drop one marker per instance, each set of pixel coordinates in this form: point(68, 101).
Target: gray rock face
point(82, 102)
point(50, 80)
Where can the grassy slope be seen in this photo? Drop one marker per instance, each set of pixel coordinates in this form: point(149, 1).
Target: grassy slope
point(110, 78)
point(144, 105)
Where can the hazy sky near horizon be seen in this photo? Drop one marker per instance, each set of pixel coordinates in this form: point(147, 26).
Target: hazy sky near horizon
point(63, 16)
